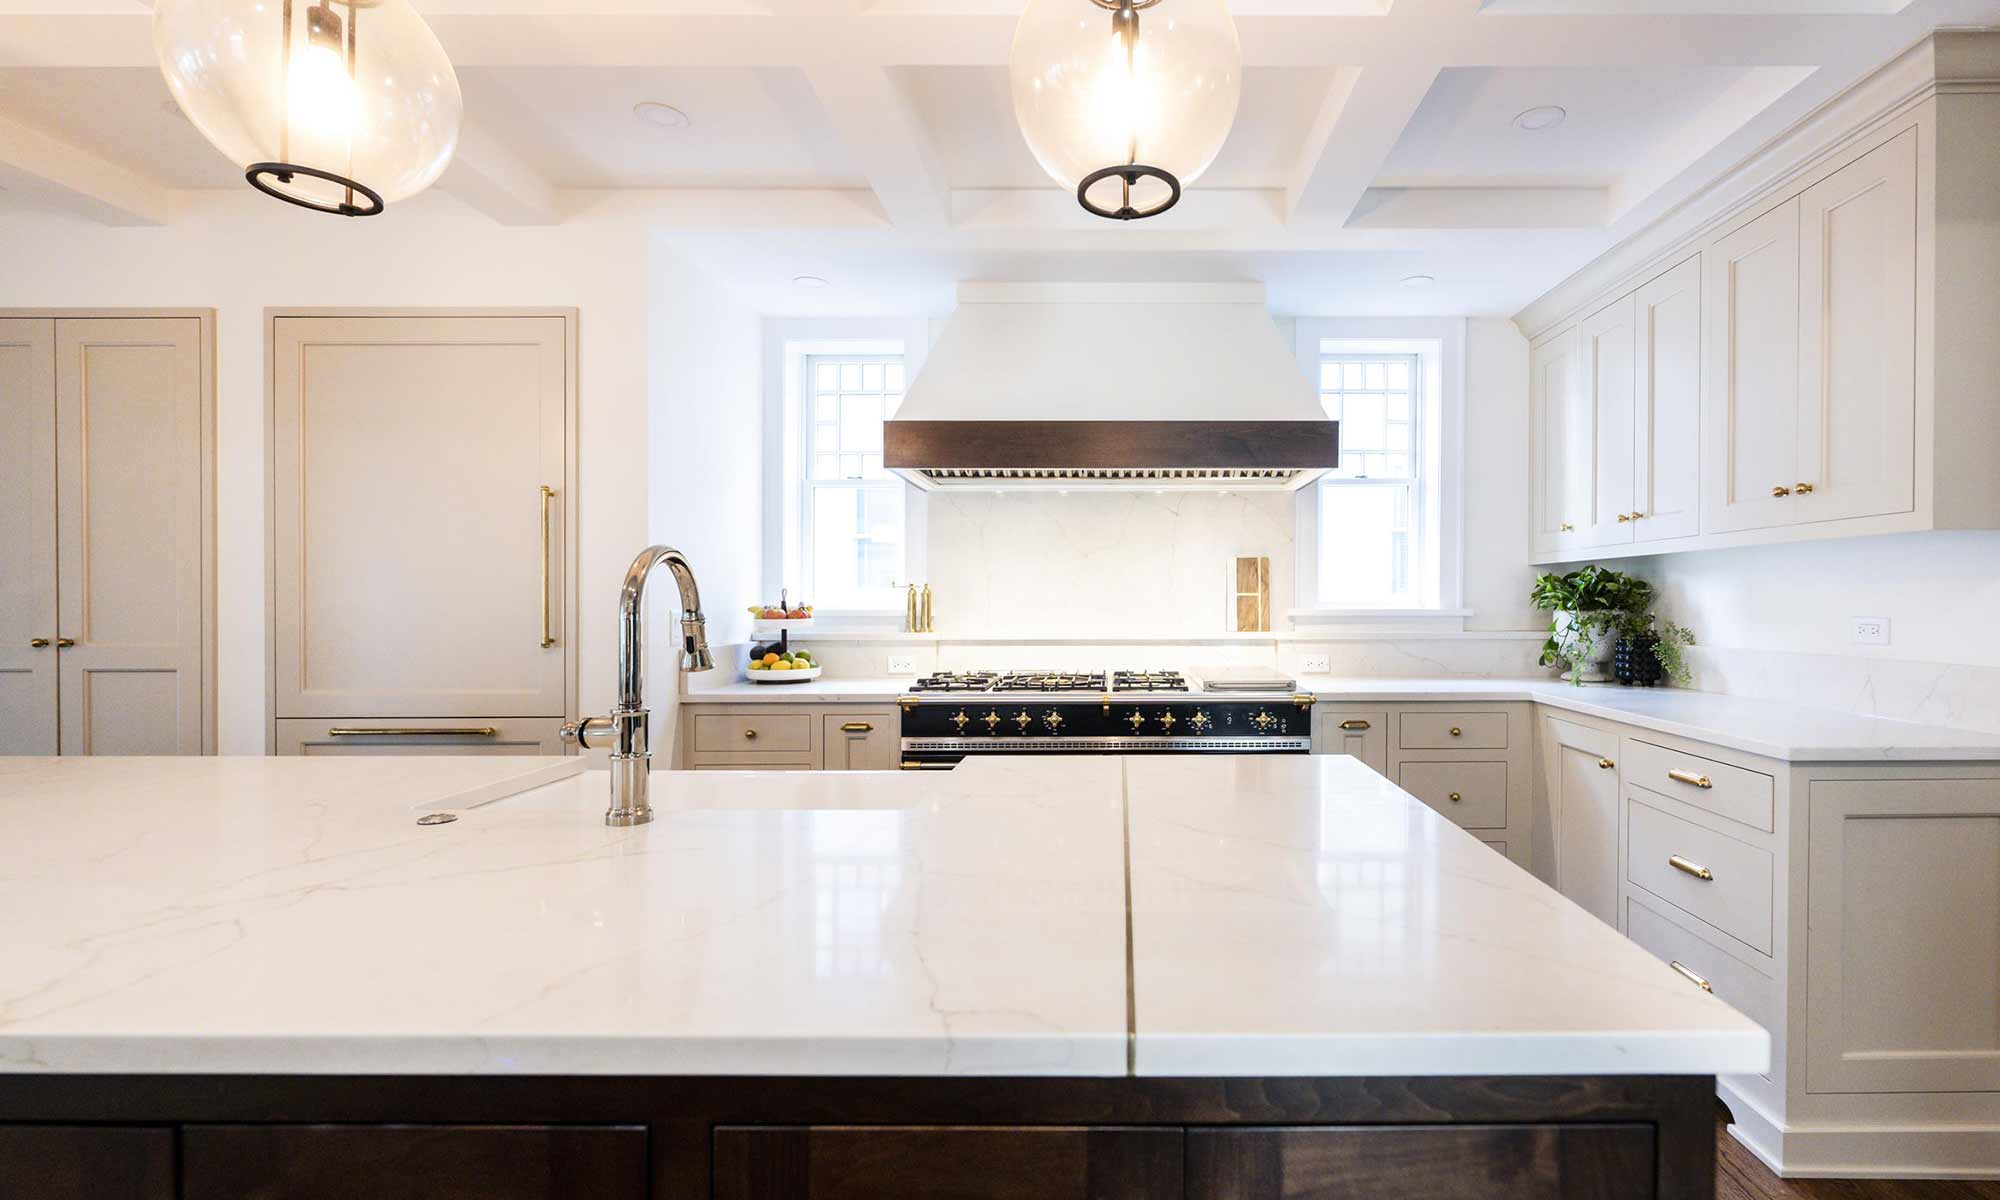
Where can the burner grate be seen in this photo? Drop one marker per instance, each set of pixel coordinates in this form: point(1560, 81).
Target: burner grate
point(1051, 681)
point(1149, 681)
point(956, 681)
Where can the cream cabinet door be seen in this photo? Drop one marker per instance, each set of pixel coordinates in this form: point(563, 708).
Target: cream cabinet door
point(1609, 344)
point(1559, 444)
point(418, 563)
point(130, 527)
point(1666, 407)
point(1580, 774)
point(1903, 964)
point(1361, 732)
point(1751, 397)
point(863, 740)
point(27, 537)
point(1858, 338)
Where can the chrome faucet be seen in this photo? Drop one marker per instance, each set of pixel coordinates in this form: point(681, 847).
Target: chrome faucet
point(625, 730)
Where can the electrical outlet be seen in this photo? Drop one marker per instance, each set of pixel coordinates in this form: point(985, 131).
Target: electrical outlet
point(1315, 664)
point(902, 664)
point(1871, 631)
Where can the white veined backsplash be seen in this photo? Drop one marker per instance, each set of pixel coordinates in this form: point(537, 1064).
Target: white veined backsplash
point(1101, 562)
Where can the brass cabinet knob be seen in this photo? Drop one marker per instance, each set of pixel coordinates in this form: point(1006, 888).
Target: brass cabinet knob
point(1624, 517)
point(38, 643)
point(1605, 764)
point(1566, 527)
point(1638, 516)
point(1454, 797)
point(1803, 488)
point(65, 643)
point(749, 735)
point(1457, 732)
point(1780, 490)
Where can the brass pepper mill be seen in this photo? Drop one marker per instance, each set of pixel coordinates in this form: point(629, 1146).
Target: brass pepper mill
point(911, 621)
point(924, 609)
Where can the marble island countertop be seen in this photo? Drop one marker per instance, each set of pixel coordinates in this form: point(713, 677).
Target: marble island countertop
point(1287, 916)
point(1787, 732)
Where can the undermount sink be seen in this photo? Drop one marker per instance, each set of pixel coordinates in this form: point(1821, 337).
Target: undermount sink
point(741, 791)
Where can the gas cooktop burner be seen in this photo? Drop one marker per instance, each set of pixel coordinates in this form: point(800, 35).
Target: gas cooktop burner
point(956, 681)
point(1148, 681)
point(1051, 681)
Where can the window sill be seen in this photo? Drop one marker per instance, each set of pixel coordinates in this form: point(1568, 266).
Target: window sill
point(1377, 621)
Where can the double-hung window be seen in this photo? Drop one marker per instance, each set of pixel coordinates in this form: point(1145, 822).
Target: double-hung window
point(853, 528)
point(1371, 508)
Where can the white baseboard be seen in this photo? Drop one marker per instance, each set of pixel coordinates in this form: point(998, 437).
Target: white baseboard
point(1850, 1151)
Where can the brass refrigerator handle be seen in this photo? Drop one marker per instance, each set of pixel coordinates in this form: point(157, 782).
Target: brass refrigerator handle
point(399, 731)
point(548, 636)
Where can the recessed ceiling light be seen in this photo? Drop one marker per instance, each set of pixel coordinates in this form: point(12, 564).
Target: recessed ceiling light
point(809, 282)
point(1548, 116)
point(1418, 281)
point(664, 116)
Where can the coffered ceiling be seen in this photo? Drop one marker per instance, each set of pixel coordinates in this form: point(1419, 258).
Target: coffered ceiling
point(873, 141)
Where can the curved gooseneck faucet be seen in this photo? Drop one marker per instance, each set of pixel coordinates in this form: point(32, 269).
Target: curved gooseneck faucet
point(625, 730)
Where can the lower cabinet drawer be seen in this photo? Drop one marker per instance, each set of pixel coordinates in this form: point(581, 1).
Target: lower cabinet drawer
point(420, 735)
point(1431, 1162)
point(990, 1162)
point(1741, 987)
point(86, 1162)
point(413, 1162)
point(1709, 875)
point(1472, 794)
point(1452, 731)
point(753, 733)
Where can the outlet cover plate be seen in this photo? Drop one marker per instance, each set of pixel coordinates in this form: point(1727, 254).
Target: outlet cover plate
point(902, 664)
point(1315, 664)
point(1871, 631)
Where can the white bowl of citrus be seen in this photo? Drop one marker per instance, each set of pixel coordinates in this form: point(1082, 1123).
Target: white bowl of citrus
point(790, 666)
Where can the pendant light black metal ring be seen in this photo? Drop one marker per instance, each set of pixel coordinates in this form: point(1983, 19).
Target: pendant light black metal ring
point(283, 172)
point(1130, 174)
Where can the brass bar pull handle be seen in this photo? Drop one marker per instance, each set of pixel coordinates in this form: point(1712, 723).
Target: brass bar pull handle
point(38, 643)
point(1686, 867)
point(65, 643)
point(1691, 977)
point(910, 764)
point(548, 499)
point(857, 727)
point(1355, 726)
point(1691, 779)
point(1605, 764)
point(398, 731)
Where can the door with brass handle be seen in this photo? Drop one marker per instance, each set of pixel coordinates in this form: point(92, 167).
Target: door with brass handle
point(1690, 976)
point(548, 568)
point(1689, 867)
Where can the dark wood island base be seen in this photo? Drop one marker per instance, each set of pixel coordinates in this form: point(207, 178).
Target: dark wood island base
point(233, 1137)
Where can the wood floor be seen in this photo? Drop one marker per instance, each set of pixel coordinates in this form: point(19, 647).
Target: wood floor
point(1740, 1176)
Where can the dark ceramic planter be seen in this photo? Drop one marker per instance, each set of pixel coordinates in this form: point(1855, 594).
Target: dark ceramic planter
point(1634, 662)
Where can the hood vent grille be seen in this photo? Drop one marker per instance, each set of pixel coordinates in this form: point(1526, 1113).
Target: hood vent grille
point(1268, 477)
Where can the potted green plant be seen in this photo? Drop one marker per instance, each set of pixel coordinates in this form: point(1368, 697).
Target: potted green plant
point(1595, 605)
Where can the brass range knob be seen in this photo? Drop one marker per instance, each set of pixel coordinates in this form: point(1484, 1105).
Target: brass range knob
point(1023, 720)
point(1167, 721)
point(1053, 721)
point(1136, 720)
point(1199, 721)
point(1263, 721)
point(960, 721)
point(992, 720)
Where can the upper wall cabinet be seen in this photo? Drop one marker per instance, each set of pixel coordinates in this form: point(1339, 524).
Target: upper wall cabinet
point(1810, 365)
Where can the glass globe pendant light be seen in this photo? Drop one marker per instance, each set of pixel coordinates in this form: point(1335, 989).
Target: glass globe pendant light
point(340, 106)
point(1126, 101)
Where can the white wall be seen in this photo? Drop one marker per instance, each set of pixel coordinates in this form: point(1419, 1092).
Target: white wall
point(706, 495)
point(1776, 622)
point(1498, 535)
point(239, 253)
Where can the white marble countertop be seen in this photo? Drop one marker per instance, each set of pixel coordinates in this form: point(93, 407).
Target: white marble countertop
point(1289, 916)
point(1787, 732)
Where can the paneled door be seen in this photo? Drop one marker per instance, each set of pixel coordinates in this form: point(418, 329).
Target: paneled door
point(1582, 786)
point(421, 514)
point(1858, 338)
point(1559, 443)
point(1752, 395)
point(27, 537)
point(1609, 343)
point(129, 521)
point(1666, 407)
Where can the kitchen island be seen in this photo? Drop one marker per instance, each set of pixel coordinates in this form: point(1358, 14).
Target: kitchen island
point(1088, 976)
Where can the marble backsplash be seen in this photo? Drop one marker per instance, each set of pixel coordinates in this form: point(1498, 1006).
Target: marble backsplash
point(1028, 563)
point(1951, 694)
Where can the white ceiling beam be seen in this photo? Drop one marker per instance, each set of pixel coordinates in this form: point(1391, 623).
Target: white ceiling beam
point(1364, 111)
point(37, 165)
point(1482, 208)
point(880, 127)
point(489, 176)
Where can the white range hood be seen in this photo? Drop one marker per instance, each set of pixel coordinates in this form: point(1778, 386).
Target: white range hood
point(1111, 385)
